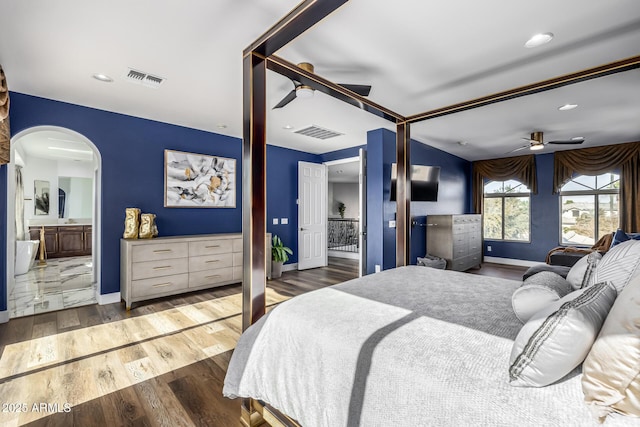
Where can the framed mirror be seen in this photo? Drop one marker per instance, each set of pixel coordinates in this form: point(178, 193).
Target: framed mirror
point(41, 197)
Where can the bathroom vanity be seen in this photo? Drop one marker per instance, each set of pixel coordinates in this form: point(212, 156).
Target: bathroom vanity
point(64, 240)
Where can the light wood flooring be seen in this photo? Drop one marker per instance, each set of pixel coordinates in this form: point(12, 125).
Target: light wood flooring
point(160, 364)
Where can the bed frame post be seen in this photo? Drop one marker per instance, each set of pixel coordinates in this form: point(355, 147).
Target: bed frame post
point(403, 192)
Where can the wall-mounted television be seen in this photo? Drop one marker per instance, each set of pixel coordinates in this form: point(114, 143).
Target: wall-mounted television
point(424, 183)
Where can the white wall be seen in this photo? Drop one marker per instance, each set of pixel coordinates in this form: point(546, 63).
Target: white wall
point(346, 193)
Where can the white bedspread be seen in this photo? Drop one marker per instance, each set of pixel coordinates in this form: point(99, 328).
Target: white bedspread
point(414, 346)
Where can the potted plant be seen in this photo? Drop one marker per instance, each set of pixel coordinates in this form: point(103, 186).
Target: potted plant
point(341, 209)
point(279, 255)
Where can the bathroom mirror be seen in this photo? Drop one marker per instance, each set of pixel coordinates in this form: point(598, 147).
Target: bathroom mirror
point(41, 197)
point(75, 197)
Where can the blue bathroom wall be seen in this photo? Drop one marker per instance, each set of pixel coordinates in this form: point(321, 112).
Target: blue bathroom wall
point(453, 196)
point(545, 220)
point(282, 193)
point(132, 151)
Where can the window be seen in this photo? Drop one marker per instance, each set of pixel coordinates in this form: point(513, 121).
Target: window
point(589, 208)
point(506, 211)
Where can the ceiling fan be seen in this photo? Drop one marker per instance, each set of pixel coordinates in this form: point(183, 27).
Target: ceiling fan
point(303, 91)
point(536, 142)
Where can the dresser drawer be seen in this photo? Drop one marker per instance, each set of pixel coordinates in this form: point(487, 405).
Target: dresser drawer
point(237, 274)
point(208, 262)
point(210, 277)
point(159, 285)
point(237, 259)
point(163, 267)
point(159, 251)
point(237, 245)
point(211, 247)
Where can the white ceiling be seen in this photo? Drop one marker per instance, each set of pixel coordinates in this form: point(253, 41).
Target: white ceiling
point(417, 55)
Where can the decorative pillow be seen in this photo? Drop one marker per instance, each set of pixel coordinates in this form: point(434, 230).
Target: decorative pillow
point(581, 274)
point(620, 264)
point(537, 292)
point(558, 338)
point(618, 237)
point(611, 371)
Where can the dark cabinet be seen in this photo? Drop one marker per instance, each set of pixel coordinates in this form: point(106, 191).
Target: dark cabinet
point(65, 241)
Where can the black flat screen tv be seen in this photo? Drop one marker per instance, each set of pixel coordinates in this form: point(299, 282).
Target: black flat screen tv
point(424, 183)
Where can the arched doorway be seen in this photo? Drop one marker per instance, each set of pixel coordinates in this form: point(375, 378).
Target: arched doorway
point(52, 160)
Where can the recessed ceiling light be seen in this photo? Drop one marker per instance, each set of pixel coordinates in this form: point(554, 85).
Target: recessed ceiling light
point(102, 78)
point(536, 147)
point(287, 127)
point(539, 40)
point(567, 107)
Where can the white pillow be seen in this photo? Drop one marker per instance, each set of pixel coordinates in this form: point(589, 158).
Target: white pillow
point(581, 274)
point(558, 338)
point(620, 264)
point(537, 292)
point(611, 371)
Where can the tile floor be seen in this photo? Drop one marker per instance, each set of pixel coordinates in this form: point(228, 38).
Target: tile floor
point(62, 283)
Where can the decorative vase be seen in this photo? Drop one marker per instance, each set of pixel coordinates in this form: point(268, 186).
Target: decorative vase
point(131, 223)
point(148, 227)
point(276, 269)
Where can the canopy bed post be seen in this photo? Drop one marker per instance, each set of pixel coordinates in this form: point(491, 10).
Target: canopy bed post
point(403, 191)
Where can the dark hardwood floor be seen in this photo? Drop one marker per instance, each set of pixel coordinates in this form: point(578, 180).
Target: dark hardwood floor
point(183, 394)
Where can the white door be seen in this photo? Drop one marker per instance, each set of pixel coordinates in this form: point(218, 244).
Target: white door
point(362, 235)
point(312, 215)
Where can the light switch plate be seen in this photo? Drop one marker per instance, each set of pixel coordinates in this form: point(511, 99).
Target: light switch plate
point(284, 221)
point(275, 221)
point(392, 224)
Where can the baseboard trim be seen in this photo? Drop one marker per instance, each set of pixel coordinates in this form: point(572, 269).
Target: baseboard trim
point(111, 298)
point(340, 254)
point(4, 316)
point(290, 267)
point(511, 261)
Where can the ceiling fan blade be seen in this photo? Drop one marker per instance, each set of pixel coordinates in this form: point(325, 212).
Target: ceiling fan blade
point(287, 99)
point(362, 90)
point(518, 149)
point(567, 141)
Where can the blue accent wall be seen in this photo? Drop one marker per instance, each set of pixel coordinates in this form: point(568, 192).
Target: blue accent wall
point(545, 220)
point(3, 237)
point(282, 193)
point(453, 196)
point(132, 151)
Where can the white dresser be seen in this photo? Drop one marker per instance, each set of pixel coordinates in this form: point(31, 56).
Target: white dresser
point(151, 268)
point(456, 238)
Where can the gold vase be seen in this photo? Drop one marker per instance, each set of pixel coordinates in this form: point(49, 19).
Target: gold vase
point(131, 223)
point(148, 227)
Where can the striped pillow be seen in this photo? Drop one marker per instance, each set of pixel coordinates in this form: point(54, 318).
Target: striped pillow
point(620, 264)
point(558, 338)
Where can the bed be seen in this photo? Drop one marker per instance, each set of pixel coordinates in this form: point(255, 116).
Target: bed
point(412, 346)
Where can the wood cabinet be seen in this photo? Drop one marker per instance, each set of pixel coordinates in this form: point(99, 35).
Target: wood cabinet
point(152, 268)
point(456, 238)
point(64, 240)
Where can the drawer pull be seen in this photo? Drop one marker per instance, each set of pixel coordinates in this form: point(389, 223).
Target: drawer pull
point(162, 267)
point(213, 260)
point(212, 246)
point(158, 251)
point(213, 276)
point(162, 285)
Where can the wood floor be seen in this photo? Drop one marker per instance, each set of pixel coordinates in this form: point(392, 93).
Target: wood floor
point(160, 364)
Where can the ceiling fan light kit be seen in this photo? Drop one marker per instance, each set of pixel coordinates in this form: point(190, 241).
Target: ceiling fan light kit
point(304, 92)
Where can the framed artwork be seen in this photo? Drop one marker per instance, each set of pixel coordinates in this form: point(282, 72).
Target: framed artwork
point(198, 180)
point(41, 197)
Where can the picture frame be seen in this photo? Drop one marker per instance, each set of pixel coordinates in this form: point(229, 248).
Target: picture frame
point(41, 197)
point(193, 180)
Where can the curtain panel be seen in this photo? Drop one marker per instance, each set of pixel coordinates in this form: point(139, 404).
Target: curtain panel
point(521, 168)
point(598, 160)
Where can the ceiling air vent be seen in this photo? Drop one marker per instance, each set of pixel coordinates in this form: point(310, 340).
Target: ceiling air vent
point(144, 79)
point(317, 132)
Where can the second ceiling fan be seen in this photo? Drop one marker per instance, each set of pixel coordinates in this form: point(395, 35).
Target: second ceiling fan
point(303, 91)
point(536, 142)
